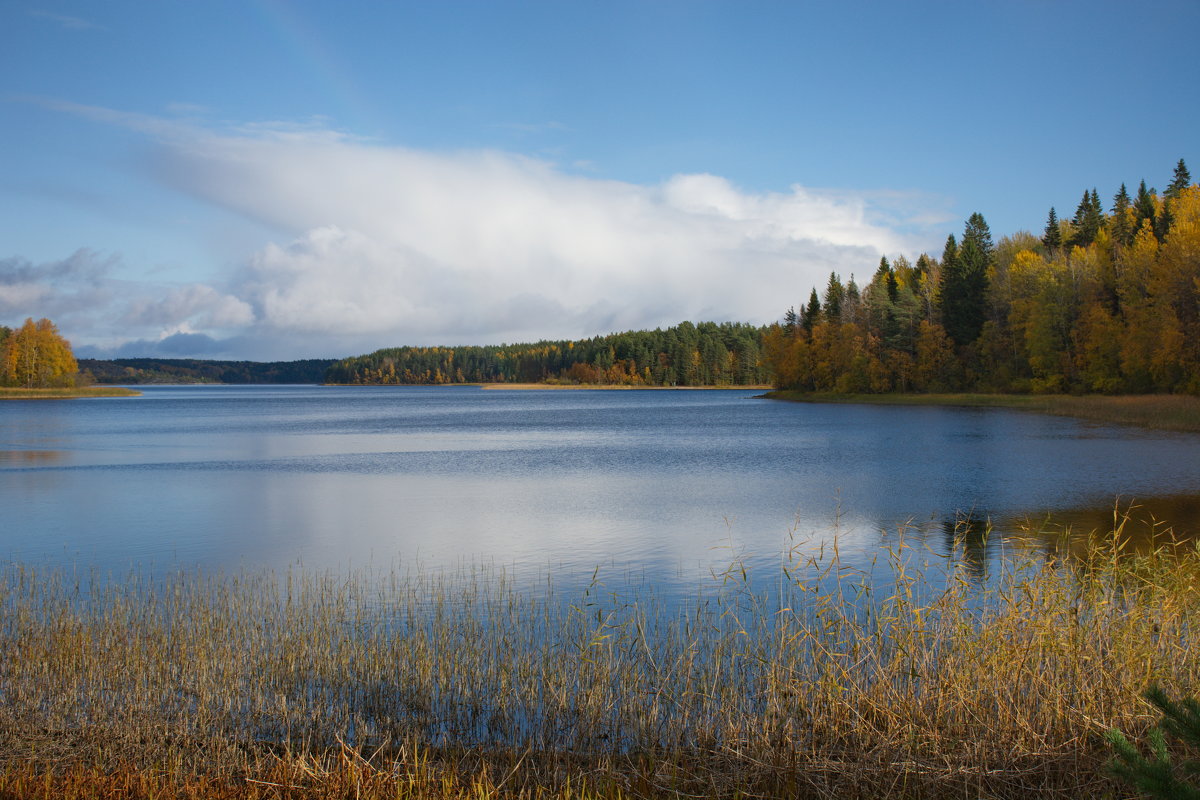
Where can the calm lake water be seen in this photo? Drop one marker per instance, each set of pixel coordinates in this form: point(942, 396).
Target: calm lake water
point(665, 485)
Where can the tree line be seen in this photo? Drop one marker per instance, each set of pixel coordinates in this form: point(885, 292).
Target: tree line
point(704, 354)
point(35, 356)
point(195, 370)
point(1106, 301)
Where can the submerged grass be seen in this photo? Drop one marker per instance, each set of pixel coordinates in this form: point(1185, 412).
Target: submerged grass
point(835, 684)
point(1157, 411)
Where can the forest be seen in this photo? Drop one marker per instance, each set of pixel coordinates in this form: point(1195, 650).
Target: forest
point(36, 356)
point(704, 354)
point(194, 370)
point(1103, 302)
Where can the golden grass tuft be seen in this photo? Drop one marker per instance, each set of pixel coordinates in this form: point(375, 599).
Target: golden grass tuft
point(895, 681)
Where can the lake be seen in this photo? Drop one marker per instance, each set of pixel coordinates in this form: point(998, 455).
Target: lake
point(666, 486)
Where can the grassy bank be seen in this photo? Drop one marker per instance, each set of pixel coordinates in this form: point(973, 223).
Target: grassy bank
point(1158, 411)
point(11, 393)
point(452, 686)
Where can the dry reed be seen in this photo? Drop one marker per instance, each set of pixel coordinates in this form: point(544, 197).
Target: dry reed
point(896, 681)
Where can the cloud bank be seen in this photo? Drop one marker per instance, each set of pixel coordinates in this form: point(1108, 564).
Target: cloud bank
point(382, 245)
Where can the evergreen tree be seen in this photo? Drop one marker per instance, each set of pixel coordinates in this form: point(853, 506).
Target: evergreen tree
point(923, 266)
point(1164, 221)
point(834, 296)
point(1166, 216)
point(1179, 182)
point(1052, 237)
point(964, 282)
point(853, 303)
point(882, 273)
point(1088, 218)
point(949, 264)
point(1121, 228)
point(1144, 208)
point(812, 314)
point(977, 231)
point(1160, 776)
point(790, 320)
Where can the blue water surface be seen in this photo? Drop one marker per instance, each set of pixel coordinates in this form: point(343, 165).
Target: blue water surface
point(665, 485)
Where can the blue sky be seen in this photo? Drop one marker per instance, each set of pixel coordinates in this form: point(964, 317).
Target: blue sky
point(283, 180)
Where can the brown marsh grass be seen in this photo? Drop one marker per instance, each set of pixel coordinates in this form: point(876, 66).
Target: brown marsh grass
point(838, 683)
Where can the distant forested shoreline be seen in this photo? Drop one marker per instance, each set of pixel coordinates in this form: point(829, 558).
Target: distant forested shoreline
point(193, 370)
point(703, 354)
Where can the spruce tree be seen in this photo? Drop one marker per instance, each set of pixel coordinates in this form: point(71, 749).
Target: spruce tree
point(965, 280)
point(1179, 182)
point(1143, 208)
point(977, 230)
point(812, 314)
point(1088, 217)
point(1052, 237)
point(883, 270)
point(853, 304)
point(834, 295)
point(1122, 230)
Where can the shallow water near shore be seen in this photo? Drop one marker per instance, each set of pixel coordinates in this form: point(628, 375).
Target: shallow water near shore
point(661, 487)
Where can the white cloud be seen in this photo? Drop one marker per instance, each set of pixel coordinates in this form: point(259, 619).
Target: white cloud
point(384, 245)
point(196, 306)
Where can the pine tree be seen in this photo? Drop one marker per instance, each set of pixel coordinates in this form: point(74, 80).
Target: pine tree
point(1052, 237)
point(790, 320)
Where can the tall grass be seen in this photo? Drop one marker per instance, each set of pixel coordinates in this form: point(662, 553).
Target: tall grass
point(839, 682)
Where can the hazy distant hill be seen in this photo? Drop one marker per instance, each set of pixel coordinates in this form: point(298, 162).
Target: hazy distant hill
point(192, 370)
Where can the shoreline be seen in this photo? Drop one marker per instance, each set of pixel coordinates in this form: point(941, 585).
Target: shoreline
point(525, 387)
point(14, 393)
point(1164, 412)
point(616, 387)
